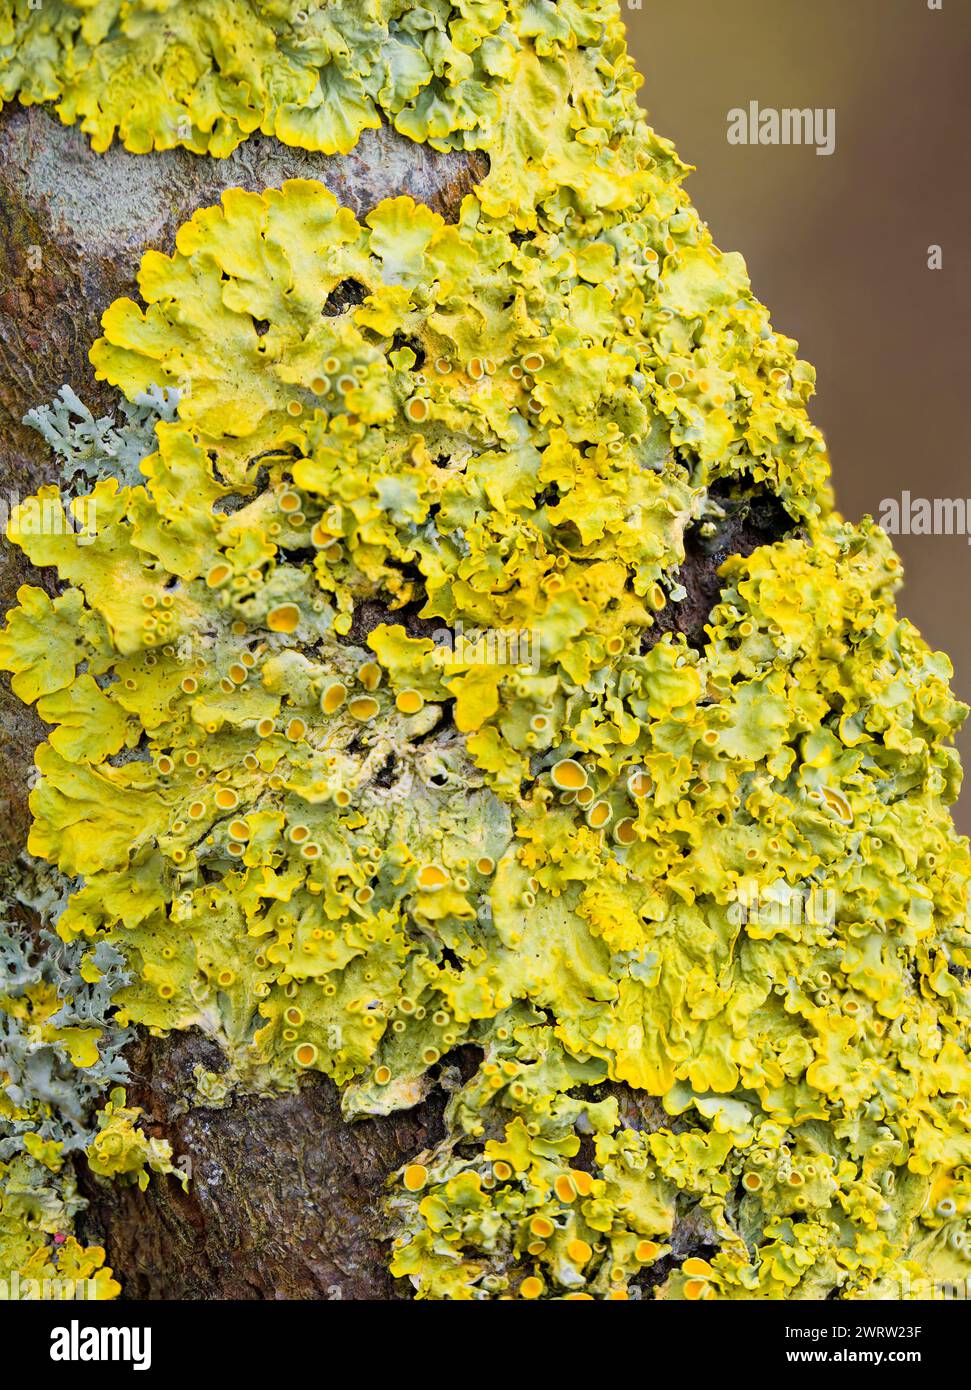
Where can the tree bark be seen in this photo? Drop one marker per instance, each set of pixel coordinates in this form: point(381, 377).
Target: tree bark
point(285, 1198)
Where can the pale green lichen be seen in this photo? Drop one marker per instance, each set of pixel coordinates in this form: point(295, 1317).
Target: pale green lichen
point(720, 875)
point(60, 1049)
point(88, 448)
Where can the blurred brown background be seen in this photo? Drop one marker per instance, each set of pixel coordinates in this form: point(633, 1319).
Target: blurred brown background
point(837, 246)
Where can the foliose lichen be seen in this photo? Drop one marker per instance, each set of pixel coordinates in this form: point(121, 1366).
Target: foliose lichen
point(60, 1050)
point(327, 811)
point(88, 449)
point(205, 74)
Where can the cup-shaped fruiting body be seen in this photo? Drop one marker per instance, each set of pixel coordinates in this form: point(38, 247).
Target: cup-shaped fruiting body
point(568, 775)
point(283, 618)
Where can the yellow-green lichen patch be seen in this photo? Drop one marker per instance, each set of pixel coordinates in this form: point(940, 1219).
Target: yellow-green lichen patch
point(547, 92)
point(366, 743)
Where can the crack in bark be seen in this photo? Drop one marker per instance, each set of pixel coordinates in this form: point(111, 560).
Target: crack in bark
point(753, 517)
point(371, 613)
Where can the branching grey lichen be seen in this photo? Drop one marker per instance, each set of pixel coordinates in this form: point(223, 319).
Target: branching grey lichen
point(89, 449)
point(60, 1052)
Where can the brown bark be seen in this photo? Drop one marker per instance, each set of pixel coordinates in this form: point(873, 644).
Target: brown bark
point(285, 1198)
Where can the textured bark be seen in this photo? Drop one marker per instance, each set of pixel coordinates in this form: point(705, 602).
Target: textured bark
point(752, 516)
point(285, 1196)
point(285, 1199)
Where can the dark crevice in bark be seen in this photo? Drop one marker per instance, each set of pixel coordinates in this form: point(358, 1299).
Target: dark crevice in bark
point(401, 340)
point(446, 720)
point(371, 613)
point(753, 517)
point(346, 294)
point(686, 1245)
point(387, 774)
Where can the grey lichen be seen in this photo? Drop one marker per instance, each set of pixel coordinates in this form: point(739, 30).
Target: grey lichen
point(52, 1096)
point(89, 449)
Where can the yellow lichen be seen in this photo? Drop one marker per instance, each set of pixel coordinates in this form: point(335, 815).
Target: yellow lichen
point(718, 875)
